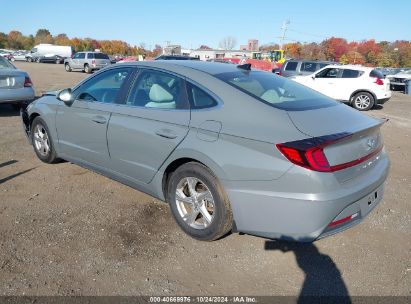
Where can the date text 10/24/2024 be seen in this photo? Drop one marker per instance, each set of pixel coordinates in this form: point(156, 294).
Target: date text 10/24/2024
point(202, 299)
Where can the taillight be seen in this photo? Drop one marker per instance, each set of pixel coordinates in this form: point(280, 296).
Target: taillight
point(27, 82)
point(379, 81)
point(93, 62)
point(309, 153)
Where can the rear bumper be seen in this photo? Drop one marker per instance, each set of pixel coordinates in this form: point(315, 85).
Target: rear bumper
point(304, 217)
point(383, 100)
point(16, 95)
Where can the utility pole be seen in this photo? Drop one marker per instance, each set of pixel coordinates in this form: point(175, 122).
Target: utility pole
point(284, 28)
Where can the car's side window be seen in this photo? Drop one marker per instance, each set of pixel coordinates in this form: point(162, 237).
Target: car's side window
point(76, 56)
point(81, 56)
point(347, 73)
point(308, 66)
point(90, 55)
point(199, 99)
point(291, 66)
point(155, 89)
point(328, 73)
point(103, 87)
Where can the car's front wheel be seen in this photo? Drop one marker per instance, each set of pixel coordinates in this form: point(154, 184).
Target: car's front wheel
point(42, 142)
point(198, 202)
point(363, 101)
point(67, 67)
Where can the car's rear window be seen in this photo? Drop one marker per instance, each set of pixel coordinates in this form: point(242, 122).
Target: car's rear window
point(100, 56)
point(376, 74)
point(291, 66)
point(5, 64)
point(276, 91)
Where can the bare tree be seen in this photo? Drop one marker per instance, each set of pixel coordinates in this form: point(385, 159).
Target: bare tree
point(228, 43)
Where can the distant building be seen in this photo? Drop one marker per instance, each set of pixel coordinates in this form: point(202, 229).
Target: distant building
point(253, 45)
point(172, 49)
point(219, 54)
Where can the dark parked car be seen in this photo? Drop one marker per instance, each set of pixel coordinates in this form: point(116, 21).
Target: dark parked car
point(294, 67)
point(50, 59)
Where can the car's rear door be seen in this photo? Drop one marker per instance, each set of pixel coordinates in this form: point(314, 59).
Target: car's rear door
point(347, 83)
point(82, 127)
point(148, 125)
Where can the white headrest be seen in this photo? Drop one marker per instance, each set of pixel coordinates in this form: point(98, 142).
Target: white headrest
point(159, 94)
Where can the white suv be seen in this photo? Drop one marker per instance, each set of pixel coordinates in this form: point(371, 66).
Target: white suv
point(358, 86)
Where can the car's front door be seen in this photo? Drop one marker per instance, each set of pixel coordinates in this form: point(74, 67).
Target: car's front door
point(82, 126)
point(326, 82)
point(148, 125)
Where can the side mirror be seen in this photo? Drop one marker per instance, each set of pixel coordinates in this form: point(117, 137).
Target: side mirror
point(65, 96)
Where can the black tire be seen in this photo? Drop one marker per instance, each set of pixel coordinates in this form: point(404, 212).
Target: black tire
point(29, 59)
point(38, 60)
point(16, 106)
point(87, 69)
point(51, 156)
point(222, 216)
point(57, 61)
point(67, 67)
point(356, 104)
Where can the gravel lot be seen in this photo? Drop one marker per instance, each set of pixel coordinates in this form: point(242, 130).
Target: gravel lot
point(67, 231)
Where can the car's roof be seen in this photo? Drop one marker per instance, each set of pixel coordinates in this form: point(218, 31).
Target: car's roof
point(351, 67)
point(211, 68)
point(309, 60)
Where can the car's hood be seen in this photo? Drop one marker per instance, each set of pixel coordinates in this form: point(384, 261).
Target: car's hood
point(399, 75)
point(51, 93)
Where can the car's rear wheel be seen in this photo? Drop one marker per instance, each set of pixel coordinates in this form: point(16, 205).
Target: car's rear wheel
point(67, 67)
point(12, 59)
point(38, 60)
point(198, 202)
point(42, 142)
point(87, 69)
point(363, 101)
point(57, 61)
point(29, 59)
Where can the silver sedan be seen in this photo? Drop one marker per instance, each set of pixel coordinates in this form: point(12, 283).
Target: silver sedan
point(229, 148)
point(16, 87)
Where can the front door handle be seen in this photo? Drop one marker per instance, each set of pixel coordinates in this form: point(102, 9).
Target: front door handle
point(99, 119)
point(166, 133)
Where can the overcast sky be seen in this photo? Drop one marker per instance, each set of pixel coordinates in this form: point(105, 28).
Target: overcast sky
point(192, 23)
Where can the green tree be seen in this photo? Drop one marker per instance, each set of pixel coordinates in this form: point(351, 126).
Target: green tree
point(43, 36)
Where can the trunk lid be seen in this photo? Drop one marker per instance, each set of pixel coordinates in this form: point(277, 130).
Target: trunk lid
point(360, 149)
point(11, 79)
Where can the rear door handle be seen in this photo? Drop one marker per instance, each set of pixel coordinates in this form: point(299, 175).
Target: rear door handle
point(99, 119)
point(166, 133)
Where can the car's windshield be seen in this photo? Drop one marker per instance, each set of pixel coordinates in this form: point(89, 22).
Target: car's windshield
point(276, 91)
point(406, 72)
point(4, 64)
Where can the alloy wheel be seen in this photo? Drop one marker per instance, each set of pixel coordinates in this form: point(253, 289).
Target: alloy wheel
point(41, 140)
point(362, 101)
point(195, 202)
